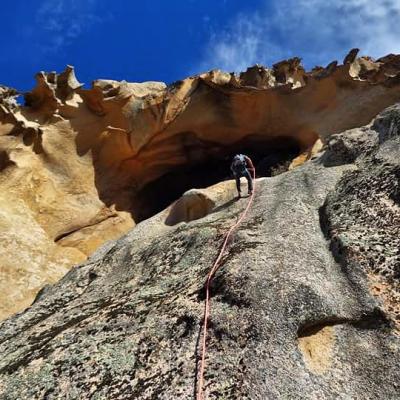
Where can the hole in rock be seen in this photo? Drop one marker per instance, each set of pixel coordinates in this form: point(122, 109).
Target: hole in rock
point(269, 157)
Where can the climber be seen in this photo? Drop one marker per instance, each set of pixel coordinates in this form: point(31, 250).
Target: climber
point(240, 166)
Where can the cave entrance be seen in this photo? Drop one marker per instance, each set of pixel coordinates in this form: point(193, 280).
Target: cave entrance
point(269, 157)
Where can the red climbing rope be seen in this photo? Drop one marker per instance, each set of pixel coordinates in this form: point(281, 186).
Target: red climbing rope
point(207, 313)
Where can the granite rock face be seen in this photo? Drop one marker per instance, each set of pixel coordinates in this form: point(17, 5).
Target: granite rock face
point(302, 306)
point(363, 214)
point(79, 167)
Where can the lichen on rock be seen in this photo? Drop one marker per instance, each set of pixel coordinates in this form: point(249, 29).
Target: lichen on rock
point(294, 311)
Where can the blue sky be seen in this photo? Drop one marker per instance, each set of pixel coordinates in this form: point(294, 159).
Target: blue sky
point(167, 40)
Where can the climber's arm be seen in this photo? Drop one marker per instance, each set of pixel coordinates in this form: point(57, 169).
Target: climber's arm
point(249, 163)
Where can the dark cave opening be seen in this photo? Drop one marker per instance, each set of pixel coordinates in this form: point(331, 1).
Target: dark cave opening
point(269, 157)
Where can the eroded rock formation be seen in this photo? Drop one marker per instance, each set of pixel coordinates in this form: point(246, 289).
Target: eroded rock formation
point(81, 166)
point(295, 307)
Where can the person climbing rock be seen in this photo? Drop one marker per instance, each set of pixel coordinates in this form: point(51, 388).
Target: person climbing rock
point(240, 166)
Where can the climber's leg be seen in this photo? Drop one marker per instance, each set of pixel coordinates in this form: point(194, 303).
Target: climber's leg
point(249, 181)
point(237, 178)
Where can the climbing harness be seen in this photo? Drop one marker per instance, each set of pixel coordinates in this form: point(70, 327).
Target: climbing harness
point(207, 309)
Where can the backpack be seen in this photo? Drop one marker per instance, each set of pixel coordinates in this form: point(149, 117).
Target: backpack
point(239, 164)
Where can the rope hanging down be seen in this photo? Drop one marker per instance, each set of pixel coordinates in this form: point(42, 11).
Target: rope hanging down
point(207, 310)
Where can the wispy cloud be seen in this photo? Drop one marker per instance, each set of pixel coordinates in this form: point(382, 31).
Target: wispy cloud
point(316, 30)
point(241, 44)
point(63, 21)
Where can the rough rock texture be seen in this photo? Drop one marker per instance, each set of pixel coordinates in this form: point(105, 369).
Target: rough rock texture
point(294, 315)
point(81, 166)
point(363, 214)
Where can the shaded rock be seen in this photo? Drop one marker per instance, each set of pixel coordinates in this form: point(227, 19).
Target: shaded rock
point(321, 72)
point(257, 76)
point(387, 124)
point(346, 147)
point(351, 56)
point(43, 96)
point(290, 71)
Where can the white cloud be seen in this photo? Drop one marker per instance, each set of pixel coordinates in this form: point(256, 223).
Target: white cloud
point(238, 46)
point(62, 21)
point(316, 30)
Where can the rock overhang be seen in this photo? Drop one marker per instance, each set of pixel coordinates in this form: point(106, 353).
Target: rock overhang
point(144, 130)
